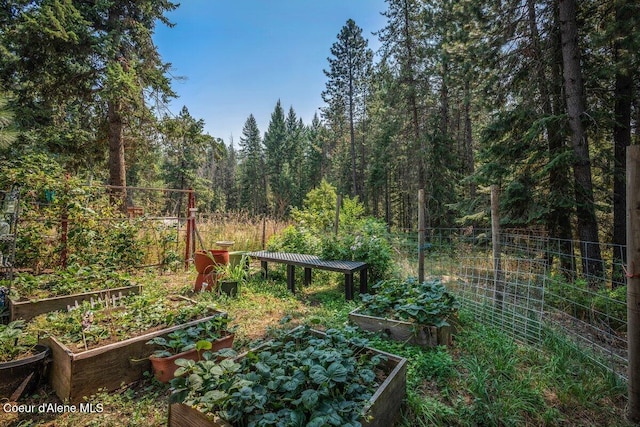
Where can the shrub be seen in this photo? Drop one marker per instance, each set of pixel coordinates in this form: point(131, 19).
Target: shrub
point(368, 245)
point(295, 239)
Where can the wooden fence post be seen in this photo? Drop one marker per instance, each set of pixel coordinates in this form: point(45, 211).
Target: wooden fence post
point(495, 239)
point(633, 281)
point(191, 203)
point(336, 224)
point(421, 235)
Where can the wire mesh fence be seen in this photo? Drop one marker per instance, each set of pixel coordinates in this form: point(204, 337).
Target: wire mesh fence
point(540, 283)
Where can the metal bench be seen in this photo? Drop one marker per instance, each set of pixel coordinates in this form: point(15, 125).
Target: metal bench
point(309, 262)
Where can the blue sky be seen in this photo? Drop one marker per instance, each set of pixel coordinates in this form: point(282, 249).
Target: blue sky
point(238, 57)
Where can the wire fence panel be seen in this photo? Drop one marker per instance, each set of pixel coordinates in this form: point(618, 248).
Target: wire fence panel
point(542, 283)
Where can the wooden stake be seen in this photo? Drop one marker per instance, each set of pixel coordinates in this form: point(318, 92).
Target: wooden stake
point(421, 235)
point(633, 281)
point(495, 238)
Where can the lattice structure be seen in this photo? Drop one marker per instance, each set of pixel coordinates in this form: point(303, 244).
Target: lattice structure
point(542, 283)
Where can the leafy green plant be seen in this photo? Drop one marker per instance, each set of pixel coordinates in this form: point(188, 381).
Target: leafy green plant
point(298, 379)
point(134, 314)
point(197, 336)
point(426, 303)
point(368, 244)
point(75, 279)
point(14, 341)
point(234, 273)
point(295, 239)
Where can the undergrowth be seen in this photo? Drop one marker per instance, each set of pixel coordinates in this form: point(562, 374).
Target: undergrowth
point(484, 379)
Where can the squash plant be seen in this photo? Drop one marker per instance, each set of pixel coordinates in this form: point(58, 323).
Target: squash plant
point(298, 380)
point(426, 303)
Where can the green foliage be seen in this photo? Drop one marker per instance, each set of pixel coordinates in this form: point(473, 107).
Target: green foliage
point(138, 314)
point(75, 279)
point(14, 341)
point(318, 208)
point(97, 233)
point(192, 337)
point(426, 303)
point(369, 244)
point(299, 379)
point(295, 239)
point(603, 306)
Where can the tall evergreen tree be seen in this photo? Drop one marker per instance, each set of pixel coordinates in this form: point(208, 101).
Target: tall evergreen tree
point(83, 70)
point(577, 116)
point(276, 157)
point(348, 76)
point(253, 178)
point(186, 147)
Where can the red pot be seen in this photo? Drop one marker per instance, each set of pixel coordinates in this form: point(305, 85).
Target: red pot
point(165, 367)
point(220, 256)
point(203, 262)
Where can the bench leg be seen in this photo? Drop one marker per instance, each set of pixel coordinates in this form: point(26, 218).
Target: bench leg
point(263, 268)
point(363, 281)
point(348, 286)
point(307, 276)
point(291, 276)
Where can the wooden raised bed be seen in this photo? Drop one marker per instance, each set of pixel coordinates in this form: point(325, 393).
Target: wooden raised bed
point(382, 409)
point(398, 330)
point(28, 309)
point(76, 375)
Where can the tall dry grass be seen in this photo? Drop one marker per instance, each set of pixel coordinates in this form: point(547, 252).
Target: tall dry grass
point(248, 233)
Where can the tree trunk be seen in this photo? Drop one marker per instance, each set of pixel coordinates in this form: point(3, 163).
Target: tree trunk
point(352, 139)
point(117, 169)
point(558, 221)
point(576, 112)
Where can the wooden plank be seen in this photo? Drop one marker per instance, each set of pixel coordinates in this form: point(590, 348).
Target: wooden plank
point(311, 261)
point(633, 281)
point(27, 310)
point(60, 371)
point(303, 260)
point(398, 330)
point(76, 375)
point(181, 415)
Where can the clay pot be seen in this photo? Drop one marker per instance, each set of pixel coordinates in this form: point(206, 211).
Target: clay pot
point(203, 262)
point(220, 256)
point(165, 367)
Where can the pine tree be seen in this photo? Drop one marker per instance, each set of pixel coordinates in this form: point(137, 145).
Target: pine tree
point(253, 185)
point(276, 158)
point(82, 72)
point(348, 77)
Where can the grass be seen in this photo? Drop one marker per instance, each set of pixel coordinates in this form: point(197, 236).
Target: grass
point(485, 379)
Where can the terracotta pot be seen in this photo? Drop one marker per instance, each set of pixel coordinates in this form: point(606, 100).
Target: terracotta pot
point(206, 282)
point(220, 256)
point(15, 372)
point(203, 262)
point(165, 367)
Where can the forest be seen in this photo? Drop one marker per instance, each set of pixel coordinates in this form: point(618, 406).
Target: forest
point(538, 97)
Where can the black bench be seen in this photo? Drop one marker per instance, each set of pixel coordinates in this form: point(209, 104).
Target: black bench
point(308, 262)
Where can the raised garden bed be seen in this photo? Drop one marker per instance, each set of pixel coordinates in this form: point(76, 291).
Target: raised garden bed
point(76, 374)
point(408, 311)
point(398, 330)
point(300, 400)
point(27, 309)
point(32, 295)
